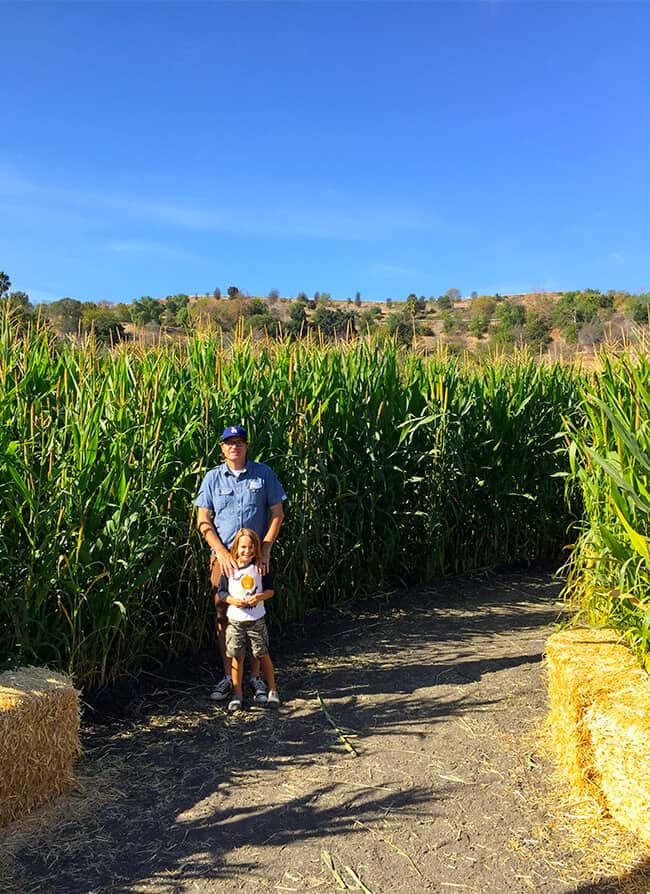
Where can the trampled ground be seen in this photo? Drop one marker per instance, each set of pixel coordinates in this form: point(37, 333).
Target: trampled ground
point(434, 780)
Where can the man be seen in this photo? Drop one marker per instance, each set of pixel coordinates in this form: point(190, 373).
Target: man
point(237, 494)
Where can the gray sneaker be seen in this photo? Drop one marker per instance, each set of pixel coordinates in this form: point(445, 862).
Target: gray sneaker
point(260, 690)
point(235, 703)
point(222, 690)
point(273, 700)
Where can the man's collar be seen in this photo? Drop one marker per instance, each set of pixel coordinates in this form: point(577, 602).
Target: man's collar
point(229, 471)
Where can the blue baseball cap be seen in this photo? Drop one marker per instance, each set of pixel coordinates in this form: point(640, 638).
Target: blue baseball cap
point(234, 431)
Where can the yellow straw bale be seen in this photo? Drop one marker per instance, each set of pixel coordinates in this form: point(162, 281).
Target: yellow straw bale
point(39, 738)
point(599, 722)
point(619, 726)
point(572, 657)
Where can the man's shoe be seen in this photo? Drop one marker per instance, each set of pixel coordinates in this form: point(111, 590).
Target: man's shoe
point(260, 691)
point(222, 690)
point(235, 703)
point(273, 699)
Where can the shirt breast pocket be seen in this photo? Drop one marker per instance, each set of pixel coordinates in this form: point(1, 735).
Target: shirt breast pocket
point(255, 492)
point(223, 498)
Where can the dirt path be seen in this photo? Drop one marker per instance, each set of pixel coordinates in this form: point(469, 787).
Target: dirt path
point(439, 693)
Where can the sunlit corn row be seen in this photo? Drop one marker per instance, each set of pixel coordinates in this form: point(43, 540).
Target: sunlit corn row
point(609, 569)
point(98, 465)
point(397, 467)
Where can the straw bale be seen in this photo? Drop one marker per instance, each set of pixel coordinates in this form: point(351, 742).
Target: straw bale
point(571, 657)
point(599, 722)
point(619, 725)
point(39, 738)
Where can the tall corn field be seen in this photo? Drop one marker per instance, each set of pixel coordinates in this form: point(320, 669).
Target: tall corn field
point(397, 467)
point(608, 580)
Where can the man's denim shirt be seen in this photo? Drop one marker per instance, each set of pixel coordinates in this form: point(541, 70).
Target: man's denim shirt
point(240, 501)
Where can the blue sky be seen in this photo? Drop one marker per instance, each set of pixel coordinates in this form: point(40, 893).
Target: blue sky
point(153, 148)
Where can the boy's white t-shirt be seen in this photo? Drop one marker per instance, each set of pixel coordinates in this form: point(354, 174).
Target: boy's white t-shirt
point(245, 582)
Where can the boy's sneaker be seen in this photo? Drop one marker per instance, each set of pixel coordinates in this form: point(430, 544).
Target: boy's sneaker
point(260, 691)
point(235, 703)
point(273, 699)
point(222, 690)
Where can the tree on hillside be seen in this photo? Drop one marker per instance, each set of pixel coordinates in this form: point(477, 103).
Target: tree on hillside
point(227, 314)
point(174, 312)
point(401, 326)
point(64, 315)
point(453, 322)
point(254, 306)
point(368, 318)
point(510, 314)
point(233, 291)
point(17, 303)
point(581, 307)
point(510, 319)
point(5, 283)
point(564, 311)
point(146, 310)
point(261, 319)
point(103, 322)
point(536, 332)
point(204, 312)
point(357, 299)
point(297, 318)
point(481, 311)
point(333, 323)
point(638, 308)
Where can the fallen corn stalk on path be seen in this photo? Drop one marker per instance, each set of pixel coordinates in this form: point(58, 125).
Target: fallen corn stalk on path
point(406, 757)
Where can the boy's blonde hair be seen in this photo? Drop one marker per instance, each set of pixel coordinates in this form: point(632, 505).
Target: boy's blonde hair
point(247, 532)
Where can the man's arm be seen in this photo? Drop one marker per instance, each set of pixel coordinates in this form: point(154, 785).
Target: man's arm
point(276, 513)
point(207, 530)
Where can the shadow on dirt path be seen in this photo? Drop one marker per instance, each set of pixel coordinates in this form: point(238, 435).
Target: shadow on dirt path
point(432, 779)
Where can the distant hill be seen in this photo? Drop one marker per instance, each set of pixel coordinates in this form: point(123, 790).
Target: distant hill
point(554, 324)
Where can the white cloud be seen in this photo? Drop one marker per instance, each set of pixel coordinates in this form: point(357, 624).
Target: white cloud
point(283, 214)
point(139, 247)
point(386, 269)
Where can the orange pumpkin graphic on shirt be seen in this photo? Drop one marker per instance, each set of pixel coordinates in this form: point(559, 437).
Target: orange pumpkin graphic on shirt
point(248, 583)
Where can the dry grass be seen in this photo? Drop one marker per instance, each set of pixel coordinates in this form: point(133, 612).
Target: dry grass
point(580, 821)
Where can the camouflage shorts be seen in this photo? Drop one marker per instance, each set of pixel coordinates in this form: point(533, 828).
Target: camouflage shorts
point(241, 633)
